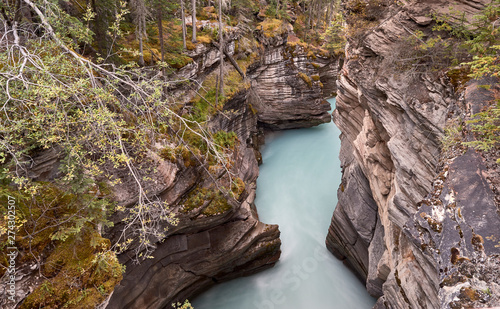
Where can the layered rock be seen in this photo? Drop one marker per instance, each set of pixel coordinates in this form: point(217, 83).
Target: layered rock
point(391, 125)
point(288, 84)
point(206, 247)
point(203, 249)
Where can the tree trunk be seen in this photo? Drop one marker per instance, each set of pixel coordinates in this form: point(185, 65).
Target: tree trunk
point(160, 34)
point(141, 50)
point(183, 25)
point(139, 12)
point(221, 50)
point(216, 91)
point(231, 59)
point(309, 8)
point(193, 19)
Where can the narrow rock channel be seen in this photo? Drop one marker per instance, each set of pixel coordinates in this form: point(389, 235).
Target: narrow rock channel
point(296, 189)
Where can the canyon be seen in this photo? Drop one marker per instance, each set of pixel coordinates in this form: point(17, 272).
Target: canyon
point(202, 249)
point(416, 220)
point(419, 225)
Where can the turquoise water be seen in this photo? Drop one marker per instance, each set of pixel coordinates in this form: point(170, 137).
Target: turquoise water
point(297, 189)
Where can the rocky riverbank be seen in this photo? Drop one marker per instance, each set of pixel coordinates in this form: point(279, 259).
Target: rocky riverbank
point(418, 224)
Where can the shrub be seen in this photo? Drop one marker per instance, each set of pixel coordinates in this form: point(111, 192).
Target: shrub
point(486, 127)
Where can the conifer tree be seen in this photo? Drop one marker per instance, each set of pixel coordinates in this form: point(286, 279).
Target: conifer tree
point(193, 14)
point(140, 12)
point(183, 17)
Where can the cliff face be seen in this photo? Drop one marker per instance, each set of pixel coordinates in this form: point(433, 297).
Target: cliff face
point(203, 248)
point(410, 218)
point(288, 84)
point(210, 247)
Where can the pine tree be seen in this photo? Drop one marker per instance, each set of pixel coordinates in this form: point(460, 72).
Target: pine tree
point(140, 12)
point(221, 49)
point(183, 17)
point(193, 14)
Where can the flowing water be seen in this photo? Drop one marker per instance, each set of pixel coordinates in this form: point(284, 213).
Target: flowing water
point(297, 189)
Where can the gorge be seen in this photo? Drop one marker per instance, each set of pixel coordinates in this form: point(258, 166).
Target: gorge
point(181, 207)
point(300, 167)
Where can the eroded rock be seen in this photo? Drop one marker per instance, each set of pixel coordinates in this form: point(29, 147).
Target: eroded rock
point(391, 124)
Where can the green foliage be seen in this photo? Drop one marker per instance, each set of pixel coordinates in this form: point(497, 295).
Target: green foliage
point(211, 198)
point(204, 103)
point(278, 12)
point(100, 118)
point(362, 15)
point(486, 127)
point(244, 6)
point(482, 40)
point(214, 200)
point(74, 258)
point(334, 37)
point(185, 305)
point(271, 27)
point(426, 52)
point(78, 275)
point(484, 31)
point(454, 23)
point(481, 37)
point(225, 139)
point(452, 135)
point(485, 65)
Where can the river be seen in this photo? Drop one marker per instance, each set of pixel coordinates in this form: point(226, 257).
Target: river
point(297, 189)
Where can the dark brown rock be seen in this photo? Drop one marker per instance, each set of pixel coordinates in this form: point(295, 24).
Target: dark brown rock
point(287, 86)
point(391, 124)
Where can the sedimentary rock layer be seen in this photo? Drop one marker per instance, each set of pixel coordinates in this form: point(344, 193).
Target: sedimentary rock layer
point(288, 85)
point(406, 248)
point(205, 249)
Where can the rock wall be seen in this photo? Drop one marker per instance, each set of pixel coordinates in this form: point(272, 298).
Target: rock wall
point(288, 85)
point(202, 249)
point(406, 248)
point(205, 249)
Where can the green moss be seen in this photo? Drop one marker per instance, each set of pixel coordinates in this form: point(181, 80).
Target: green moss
point(238, 187)
point(189, 157)
point(315, 77)
point(305, 78)
point(169, 154)
point(194, 200)
point(214, 200)
point(272, 27)
point(80, 274)
point(104, 189)
point(217, 206)
point(172, 35)
point(203, 105)
point(225, 139)
point(176, 60)
point(57, 228)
